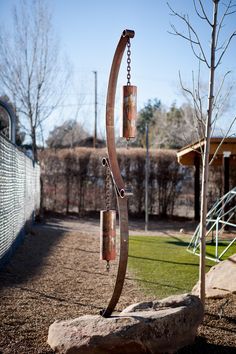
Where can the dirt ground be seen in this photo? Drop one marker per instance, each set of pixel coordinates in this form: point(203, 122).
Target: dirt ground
point(56, 274)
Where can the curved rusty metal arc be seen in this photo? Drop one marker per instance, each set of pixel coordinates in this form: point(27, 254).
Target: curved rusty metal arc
point(111, 92)
point(114, 167)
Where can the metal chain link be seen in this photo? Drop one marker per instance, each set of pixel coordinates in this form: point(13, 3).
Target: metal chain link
point(19, 193)
point(107, 188)
point(128, 63)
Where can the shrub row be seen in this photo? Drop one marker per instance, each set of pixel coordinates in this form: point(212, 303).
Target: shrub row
point(74, 180)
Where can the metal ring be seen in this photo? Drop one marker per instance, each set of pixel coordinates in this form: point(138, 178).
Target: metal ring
point(104, 161)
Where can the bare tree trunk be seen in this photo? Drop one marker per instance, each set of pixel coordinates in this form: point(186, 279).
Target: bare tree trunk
point(34, 144)
point(205, 172)
point(217, 52)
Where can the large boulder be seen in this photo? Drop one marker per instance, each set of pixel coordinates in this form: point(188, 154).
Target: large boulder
point(220, 280)
point(149, 327)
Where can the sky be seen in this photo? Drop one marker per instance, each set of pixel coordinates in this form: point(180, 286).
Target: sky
point(88, 32)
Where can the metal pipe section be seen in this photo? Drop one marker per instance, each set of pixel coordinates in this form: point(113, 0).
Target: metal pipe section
point(108, 235)
point(128, 33)
point(129, 111)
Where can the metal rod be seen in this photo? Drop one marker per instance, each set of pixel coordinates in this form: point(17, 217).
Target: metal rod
point(217, 237)
point(219, 221)
point(226, 249)
point(207, 257)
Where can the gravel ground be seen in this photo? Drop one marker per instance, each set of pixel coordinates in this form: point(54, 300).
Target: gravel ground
point(56, 274)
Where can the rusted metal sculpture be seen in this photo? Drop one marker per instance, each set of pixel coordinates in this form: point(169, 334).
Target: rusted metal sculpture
point(111, 164)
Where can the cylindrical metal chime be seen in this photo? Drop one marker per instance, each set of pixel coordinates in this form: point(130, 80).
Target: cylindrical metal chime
point(129, 111)
point(108, 235)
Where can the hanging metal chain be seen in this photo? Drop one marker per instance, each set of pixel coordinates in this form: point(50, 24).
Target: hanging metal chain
point(107, 188)
point(128, 75)
point(128, 63)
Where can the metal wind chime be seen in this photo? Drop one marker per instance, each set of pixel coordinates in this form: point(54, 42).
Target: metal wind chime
point(112, 172)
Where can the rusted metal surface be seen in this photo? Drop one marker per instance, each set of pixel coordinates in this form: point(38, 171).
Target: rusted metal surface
point(129, 111)
point(115, 172)
point(111, 92)
point(108, 235)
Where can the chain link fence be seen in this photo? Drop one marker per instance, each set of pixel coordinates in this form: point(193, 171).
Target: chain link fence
point(19, 195)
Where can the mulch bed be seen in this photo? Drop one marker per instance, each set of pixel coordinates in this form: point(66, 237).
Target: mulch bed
point(56, 274)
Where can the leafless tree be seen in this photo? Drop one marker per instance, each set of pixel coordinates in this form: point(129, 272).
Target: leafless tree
point(211, 60)
point(30, 72)
point(68, 134)
point(175, 127)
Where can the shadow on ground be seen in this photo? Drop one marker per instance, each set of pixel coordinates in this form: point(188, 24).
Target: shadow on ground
point(28, 258)
point(201, 346)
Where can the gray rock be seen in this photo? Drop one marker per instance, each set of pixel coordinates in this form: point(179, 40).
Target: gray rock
point(220, 280)
point(151, 327)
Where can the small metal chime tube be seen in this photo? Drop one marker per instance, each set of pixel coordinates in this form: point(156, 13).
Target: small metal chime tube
point(129, 102)
point(129, 111)
point(108, 235)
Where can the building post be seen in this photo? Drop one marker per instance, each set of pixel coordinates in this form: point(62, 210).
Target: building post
point(197, 188)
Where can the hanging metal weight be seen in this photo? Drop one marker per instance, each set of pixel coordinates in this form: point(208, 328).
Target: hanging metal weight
point(129, 102)
point(108, 235)
point(129, 111)
point(107, 222)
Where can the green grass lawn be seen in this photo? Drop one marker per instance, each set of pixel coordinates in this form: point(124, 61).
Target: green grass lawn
point(163, 266)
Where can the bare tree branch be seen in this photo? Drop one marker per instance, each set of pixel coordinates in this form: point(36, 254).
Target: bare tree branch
point(204, 16)
point(198, 56)
point(220, 106)
point(223, 140)
point(225, 49)
point(30, 68)
point(191, 31)
point(220, 25)
point(176, 33)
point(190, 93)
point(220, 88)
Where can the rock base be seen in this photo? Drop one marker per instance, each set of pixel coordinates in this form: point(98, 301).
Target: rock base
point(153, 327)
point(220, 280)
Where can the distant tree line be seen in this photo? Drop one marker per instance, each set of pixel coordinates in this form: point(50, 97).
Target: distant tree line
point(168, 128)
point(68, 134)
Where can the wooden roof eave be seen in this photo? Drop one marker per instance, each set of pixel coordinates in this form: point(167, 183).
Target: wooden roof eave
point(187, 155)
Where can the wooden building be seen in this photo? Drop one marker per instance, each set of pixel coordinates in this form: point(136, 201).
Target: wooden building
point(223, 153)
